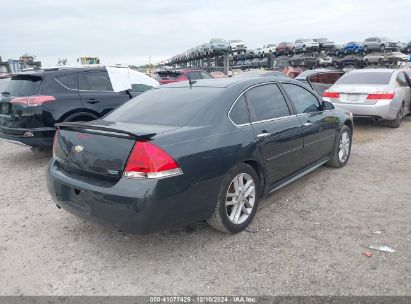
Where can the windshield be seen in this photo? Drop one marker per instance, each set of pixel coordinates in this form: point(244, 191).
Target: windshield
point(378, 78)
point(22, 85)
point(165, 106)
point(217, 40)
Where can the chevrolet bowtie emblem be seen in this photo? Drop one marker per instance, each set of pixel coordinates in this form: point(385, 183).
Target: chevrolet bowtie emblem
point(78, 148)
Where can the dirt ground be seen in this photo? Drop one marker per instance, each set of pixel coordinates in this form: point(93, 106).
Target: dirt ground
point(307, 239)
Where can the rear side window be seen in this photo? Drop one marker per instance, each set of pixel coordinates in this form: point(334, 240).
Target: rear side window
point(365, 78)
point(266, 102)
point(239, 113)
point(303, 100)
point(70, 81)
point(95, 81)
point(23, 85)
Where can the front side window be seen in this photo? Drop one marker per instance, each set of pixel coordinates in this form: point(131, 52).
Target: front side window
point(266, 102)
point(303, 100)
point(95, 81)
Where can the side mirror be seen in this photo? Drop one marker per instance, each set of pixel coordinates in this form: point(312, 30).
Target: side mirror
point(326, 105)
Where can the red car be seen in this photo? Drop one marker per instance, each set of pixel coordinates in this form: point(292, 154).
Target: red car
point(285, 48)
point(164, 77)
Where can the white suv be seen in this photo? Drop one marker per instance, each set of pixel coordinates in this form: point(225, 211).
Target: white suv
point(303, 45)
point(269, 48)
point(237, 46)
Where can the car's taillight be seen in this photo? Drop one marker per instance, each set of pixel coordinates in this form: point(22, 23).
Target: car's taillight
point(55, 142)
point(32, 101)
point(146, 160)
point(377, 96)
point(331, 94)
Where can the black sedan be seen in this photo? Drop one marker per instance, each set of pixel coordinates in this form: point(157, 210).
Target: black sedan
point(188, 152)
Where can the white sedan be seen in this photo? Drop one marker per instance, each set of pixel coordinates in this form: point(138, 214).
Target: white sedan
point(377, 93)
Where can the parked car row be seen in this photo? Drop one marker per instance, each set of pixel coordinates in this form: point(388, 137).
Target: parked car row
point(299, 46)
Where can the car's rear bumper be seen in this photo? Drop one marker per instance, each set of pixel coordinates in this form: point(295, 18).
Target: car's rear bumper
point(383, 109)
point(136, 206)
point(34, 137)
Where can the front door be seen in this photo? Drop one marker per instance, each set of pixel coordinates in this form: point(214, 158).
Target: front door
point(318, 126)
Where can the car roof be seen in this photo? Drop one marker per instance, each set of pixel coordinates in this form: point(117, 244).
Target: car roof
point(374, 71)
point(226, 82)
point(60, 70)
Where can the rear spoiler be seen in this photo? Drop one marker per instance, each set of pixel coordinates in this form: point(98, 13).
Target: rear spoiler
point(108, 131)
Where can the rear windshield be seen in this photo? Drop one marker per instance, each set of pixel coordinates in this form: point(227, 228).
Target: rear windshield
point(165, 106)
point(22, 85)
point(365, 78)
point(4, 83)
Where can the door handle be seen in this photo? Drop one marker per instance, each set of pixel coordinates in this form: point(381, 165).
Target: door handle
point(307, 124)
point(92, 101)
point(263, 135)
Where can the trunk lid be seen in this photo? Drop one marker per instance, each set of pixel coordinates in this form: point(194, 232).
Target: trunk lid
point(100, 148)
point(14, 109)
point(357, 93)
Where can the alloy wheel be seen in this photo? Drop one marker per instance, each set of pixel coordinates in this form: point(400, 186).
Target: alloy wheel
point(344, 147)
point(240, 198)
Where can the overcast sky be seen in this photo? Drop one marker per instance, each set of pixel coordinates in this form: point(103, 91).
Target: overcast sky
point(129, 32)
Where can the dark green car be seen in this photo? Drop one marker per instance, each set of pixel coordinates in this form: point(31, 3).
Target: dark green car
point(200, 151)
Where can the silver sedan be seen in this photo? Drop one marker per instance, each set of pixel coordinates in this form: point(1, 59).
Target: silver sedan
point(377, 93)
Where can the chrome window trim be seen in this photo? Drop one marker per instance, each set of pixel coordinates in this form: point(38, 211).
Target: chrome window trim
point(260, 121)
point(66, 87)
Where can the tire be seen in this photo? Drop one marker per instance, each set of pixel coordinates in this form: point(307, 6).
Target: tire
point(396, 123)
point(340, 159)
point(80, 117)
point(382, 48)
point(224, 216)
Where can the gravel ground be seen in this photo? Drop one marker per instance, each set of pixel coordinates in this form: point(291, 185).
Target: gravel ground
point(307, 238)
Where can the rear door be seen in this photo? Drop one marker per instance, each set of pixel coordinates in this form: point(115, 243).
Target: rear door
point(97, 92)
point(318, 126)
point(276, 131)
